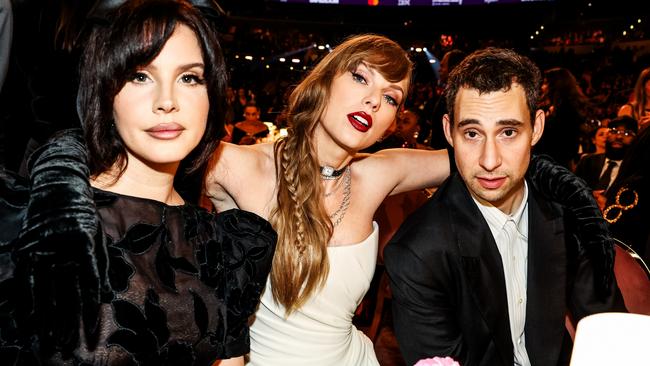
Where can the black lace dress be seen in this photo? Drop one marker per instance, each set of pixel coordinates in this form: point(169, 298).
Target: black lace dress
point(155, 285)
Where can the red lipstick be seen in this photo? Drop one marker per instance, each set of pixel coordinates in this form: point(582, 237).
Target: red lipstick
point(361, 121)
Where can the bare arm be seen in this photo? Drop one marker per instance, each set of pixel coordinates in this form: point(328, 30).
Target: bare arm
point(410, 169)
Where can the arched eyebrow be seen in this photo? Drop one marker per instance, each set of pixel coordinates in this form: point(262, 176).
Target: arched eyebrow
point(182, 67)
point(396, 88)
point(373, 71)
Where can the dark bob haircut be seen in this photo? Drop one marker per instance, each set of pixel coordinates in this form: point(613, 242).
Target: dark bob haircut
point(494, 69)
point(137, 33)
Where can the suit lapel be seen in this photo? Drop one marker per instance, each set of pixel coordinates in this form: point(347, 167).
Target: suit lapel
point(482, 265)
point(546, 290)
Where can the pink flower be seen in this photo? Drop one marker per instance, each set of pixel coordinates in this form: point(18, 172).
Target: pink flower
point(437, 361)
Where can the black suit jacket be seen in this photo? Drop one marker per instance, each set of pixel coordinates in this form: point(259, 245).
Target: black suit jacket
point(449, 296)
point(590, 167)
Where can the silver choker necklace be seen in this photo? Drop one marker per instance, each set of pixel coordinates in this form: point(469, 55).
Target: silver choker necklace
point(329, 173)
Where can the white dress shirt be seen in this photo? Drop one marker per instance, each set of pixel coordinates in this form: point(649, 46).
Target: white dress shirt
point(510, 233)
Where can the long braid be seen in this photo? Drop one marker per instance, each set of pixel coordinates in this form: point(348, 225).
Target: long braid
point(289, 175)
point(300, 264)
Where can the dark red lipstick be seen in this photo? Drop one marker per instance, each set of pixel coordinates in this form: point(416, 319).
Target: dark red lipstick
point(361, 121)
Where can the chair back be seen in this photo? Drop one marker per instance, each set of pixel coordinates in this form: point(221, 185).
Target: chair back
point(633, 278)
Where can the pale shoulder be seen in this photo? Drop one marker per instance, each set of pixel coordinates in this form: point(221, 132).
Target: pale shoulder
point(233, 165)
point(231, 157)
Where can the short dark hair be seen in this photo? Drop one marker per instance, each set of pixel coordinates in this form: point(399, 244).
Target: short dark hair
point(251, 104)
point(137, 33)
point(494, 69)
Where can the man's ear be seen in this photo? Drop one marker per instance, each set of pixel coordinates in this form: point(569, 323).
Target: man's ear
point(446, 126)
point(538, 126)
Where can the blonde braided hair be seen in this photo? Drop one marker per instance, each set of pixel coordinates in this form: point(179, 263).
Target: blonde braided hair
point(300, 264)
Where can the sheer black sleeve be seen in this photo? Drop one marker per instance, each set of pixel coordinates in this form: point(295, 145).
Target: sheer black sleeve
point(237, 263)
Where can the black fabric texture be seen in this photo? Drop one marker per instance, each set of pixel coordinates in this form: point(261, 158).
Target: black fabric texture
point(557, 183)
point(98, 278)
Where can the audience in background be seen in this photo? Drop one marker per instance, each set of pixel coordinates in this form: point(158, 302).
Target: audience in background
point(598, 138)
point(566, 108)
point(628, 199)
point(600, 170)
point(639, 107)
point(251, 129)
point(436, 135)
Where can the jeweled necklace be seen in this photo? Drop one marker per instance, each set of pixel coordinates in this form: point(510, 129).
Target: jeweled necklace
point(337, 185)
point(329, 173)
point(338, 215)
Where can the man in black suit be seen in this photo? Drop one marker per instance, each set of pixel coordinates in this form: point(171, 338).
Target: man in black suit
point(486, 270)
point(600, 170)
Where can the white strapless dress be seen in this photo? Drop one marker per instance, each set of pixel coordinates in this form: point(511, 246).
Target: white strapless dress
point(321, 332)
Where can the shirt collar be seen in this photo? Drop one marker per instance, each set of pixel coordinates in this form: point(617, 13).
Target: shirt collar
point(496, 218)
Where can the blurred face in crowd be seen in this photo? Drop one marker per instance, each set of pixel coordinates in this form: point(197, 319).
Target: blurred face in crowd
point(600, 138)
point(492, 137)
point(161, 113)
point(362, 105)
point(619, 138)
point(407, 124)
point(251, 114)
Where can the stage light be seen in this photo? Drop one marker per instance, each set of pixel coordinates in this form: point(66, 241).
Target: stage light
point(282, 59)
point(433, 61)
point(295, 60)
point(249, 58)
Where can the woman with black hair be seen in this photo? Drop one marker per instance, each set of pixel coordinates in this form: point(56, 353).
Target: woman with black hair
point(139, 276)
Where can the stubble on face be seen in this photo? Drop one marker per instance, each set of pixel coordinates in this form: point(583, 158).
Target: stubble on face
point(492, 138)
